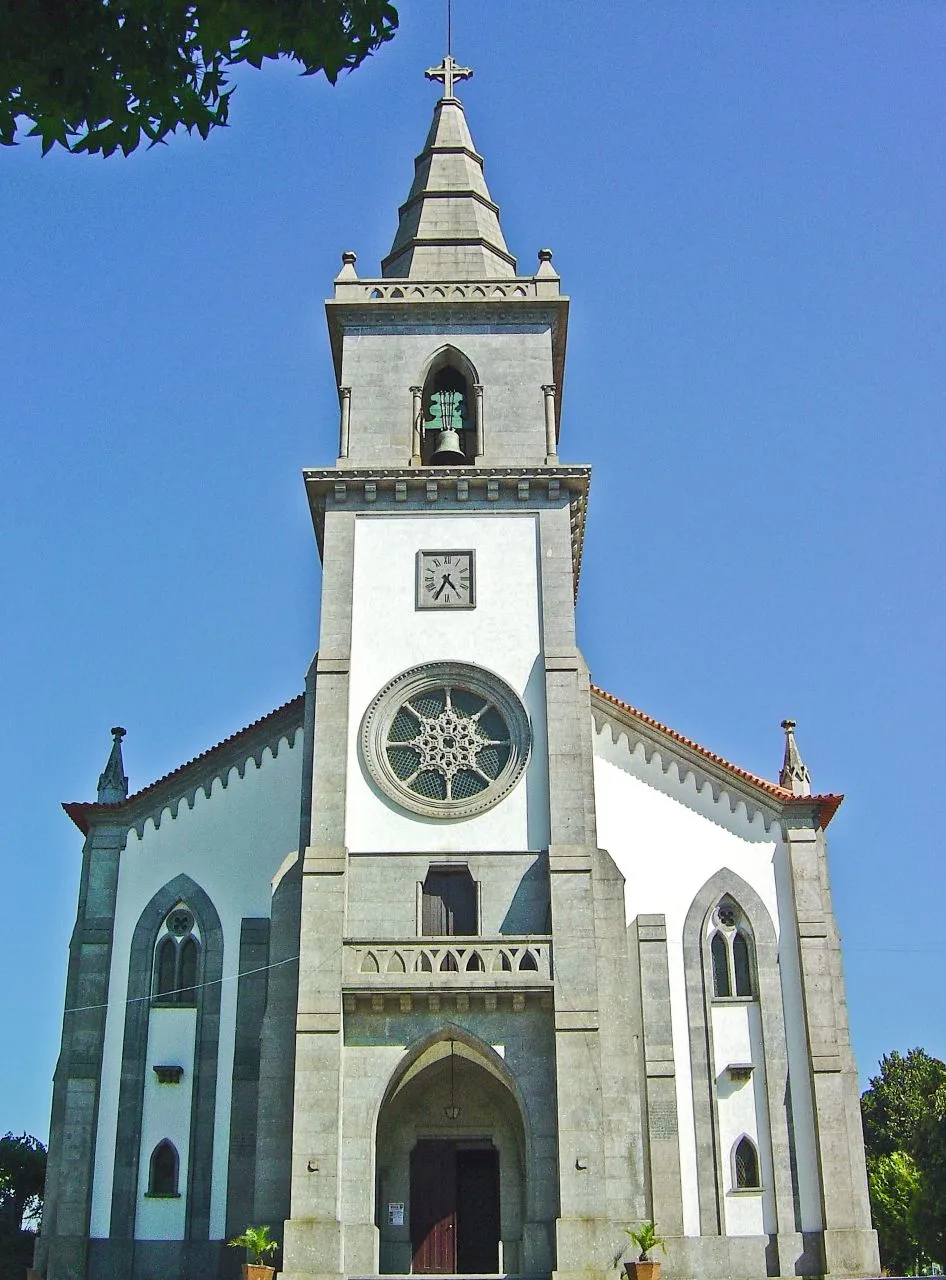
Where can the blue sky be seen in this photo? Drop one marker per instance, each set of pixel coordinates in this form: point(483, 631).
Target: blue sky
point(746, 204)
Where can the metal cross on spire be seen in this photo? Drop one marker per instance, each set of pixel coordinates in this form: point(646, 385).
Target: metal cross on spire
point(449, 72)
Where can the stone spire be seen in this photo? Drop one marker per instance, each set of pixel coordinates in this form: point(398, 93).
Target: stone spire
point(448, 227)
point(794, 775)
point(113, 785)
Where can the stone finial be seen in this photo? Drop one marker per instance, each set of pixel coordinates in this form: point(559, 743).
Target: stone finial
point(545, 264)
point(113, 785)
point(348, 271)
point(794, 776)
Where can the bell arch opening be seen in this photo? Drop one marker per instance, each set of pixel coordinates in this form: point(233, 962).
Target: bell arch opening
point(448, 413)
point(451, 1164)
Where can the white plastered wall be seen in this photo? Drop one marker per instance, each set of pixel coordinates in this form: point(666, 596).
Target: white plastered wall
point(668, 837)
point(166, 1110)
point(501, 634)
point(232, 845)
point(743, 1110)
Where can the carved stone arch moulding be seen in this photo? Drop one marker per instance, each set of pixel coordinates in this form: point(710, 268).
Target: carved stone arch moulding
point(134, 1060)
point(446, 739)
point(449, 357)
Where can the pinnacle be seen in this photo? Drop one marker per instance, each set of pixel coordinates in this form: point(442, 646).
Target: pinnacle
point(448, 227)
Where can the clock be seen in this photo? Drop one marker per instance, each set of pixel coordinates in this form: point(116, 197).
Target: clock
point(445, 580)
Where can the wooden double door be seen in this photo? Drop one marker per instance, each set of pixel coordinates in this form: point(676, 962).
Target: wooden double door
point(454, 1208)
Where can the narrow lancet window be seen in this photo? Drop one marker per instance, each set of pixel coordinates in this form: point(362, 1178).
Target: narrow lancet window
point(746, 1162)
point(740, 960)
point(163, 1170)
point(720, 952)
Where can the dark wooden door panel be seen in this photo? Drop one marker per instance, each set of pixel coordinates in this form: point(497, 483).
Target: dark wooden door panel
point(478, 1221)
point(433, 1208)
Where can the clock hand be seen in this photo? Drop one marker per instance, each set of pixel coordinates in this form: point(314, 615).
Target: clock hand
point(446, 579)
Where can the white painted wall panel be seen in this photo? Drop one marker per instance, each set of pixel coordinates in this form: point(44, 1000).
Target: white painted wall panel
point(502, 634)
point(166, 1114)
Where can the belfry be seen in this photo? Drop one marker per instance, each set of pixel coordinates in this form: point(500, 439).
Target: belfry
point(455, 964)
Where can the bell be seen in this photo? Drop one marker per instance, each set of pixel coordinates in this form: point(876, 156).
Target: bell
point(448, 450)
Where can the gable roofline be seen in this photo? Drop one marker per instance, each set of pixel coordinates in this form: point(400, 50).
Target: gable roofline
point(775, 797)
point(197, 774)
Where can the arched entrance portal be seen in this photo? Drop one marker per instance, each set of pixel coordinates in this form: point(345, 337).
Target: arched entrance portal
point(451, 1164)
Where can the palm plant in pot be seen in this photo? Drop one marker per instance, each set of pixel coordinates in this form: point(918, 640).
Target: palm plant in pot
point(646, 1238)
point(259, 1245)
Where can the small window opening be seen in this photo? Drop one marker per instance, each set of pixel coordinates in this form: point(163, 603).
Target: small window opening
point(162, 1179)
point(746, 1165)
point(448, 903)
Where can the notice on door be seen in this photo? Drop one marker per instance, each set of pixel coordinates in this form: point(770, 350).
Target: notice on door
point(396, 1213)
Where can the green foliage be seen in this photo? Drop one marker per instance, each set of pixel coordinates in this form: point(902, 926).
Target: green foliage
point(22, 1178)
point(904, 1114)
point(928, 1215)
point(894, 1181)
point(646, 1238)
point(98, 75)
point(257, 1242)
point(898, 1099)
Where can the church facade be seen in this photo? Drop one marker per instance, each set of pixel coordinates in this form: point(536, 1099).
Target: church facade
point(456, 963)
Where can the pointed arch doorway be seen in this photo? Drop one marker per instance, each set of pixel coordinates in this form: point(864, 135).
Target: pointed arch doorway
point(451, 1163)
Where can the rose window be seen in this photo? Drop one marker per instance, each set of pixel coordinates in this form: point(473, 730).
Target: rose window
point(446, 740)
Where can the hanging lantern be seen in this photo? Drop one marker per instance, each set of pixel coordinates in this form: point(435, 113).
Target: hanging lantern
point(452, 1112)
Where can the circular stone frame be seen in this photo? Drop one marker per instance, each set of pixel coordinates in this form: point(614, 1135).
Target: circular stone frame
point(380, 715)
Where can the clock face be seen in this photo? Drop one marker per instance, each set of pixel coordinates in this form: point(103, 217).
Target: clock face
point(445, 580)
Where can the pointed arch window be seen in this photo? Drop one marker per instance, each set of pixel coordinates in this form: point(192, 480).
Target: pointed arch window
point(746, 1166)
point(177, 959)
point(731, 953)
point(163, 1170)
point(448, 413)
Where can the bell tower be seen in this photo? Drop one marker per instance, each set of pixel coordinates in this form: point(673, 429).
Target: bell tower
point(451, 779)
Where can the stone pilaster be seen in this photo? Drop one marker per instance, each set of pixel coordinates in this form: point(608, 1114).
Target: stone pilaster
point(663, 1141)
point(314, 1244)
point(244, 1106)
point(62, 1249)
point(850, 1243)
point(585, 1081)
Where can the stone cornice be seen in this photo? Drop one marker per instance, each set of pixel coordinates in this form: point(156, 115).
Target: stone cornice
point(477, 488)
point(199, 774)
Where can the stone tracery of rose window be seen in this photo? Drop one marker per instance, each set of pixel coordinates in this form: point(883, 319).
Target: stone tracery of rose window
point(447, 743)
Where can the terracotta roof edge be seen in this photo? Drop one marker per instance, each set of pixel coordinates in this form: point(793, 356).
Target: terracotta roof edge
point(778, 797)
point(84, 812)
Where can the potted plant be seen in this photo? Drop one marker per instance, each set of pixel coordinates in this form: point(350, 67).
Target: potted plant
point(646, 1238)
point(258, 1244)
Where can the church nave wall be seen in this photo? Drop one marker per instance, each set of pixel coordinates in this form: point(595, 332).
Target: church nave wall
point(224, 851)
